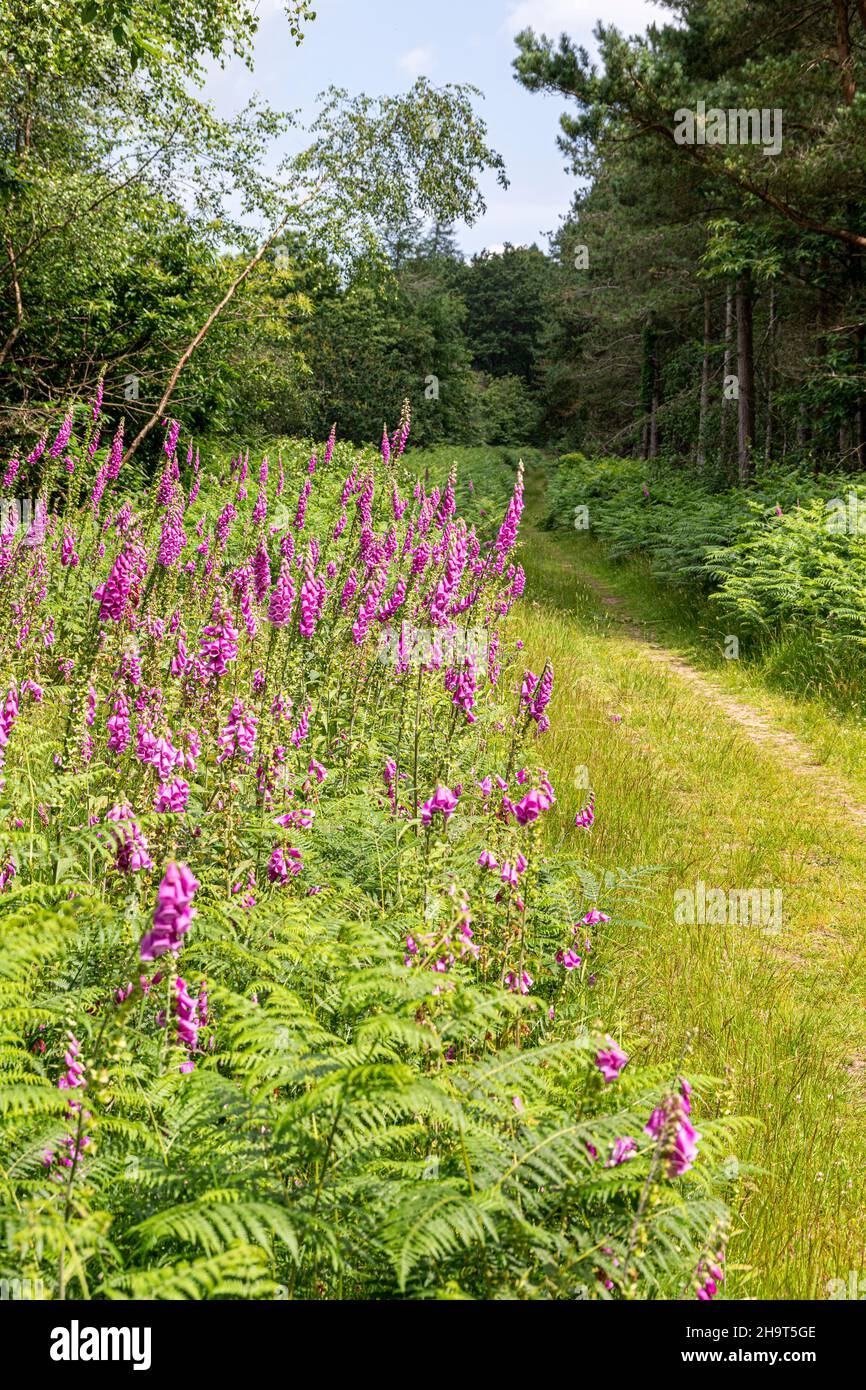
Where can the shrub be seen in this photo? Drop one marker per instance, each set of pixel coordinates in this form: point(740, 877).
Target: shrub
point(785, 560)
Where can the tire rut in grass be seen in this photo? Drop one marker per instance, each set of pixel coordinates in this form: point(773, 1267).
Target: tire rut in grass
point(758, 726)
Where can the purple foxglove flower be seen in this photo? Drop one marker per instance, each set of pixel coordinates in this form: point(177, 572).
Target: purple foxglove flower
point(130, 844)
point(283, 596)
point(99, 486)
point(62, 438)
point(224, 523)
point(261, 572)
point(610, 1060)
point(394, 603)
point(121, 587)
point(8, 715)
point(568, 958)
point(74, 1076)
point(369, 603)
point(180, 658)
point(173, 538)
point(173, 915)
point(622, 1150)
point(420, 558)
point(329, 447)
point(685, 1149)
point(219, 644)
point(172, 795)
point(118, 726)
point(238, 734)
point(165, 491)
point(530, 808)
point(115, 456)
point(462, 682)
point(656, 1122)
point(448, 505)
point(186, 1019)
point(349, 588)
point(449, 582)
point(303, 498)
point(298, 734)
point(172, 433)
point(507, 537)
point(284, 864)
point(442, 801)
point(39, 450)
point(404, 427)
point(518, 984)
point(312, 601)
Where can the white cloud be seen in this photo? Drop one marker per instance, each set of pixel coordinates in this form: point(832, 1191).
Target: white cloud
point(579, 17)
point(416, 61)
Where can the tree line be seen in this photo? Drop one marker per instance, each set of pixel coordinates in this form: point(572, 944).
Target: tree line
point(722, 317)
point(704, 298)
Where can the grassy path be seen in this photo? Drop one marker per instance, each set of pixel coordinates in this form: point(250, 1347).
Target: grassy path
point(684, 787)
point(761, 725)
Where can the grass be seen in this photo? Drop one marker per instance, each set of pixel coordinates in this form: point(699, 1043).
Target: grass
point(781, 679)
point(682, 791)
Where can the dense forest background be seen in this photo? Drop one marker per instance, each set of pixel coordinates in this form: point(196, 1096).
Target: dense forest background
point(705, 302)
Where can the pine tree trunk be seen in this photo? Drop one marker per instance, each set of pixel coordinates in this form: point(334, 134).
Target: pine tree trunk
point(771, 335)
point(656, 402)
point(822, 432)
point(701, 455)
point(802, 427)
point(725, 415)
point(845, 440)
point(860, 409)
point(647, 388)
point(745, 377)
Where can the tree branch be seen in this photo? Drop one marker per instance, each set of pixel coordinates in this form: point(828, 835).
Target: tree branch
point(778, 204)
point(211, 319)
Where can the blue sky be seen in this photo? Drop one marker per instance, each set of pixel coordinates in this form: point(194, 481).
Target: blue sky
point(383, 45)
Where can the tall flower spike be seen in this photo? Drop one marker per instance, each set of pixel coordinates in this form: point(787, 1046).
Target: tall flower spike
point(329, 447)
point(283, 596)
point(173, 914)
point(171, 437)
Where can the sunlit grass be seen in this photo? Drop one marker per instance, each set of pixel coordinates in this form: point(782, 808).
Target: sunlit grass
point(822, 708)
point(679, 787)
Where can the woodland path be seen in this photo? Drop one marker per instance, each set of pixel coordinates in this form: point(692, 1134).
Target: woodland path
point(696, 784)
point(757, 724)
